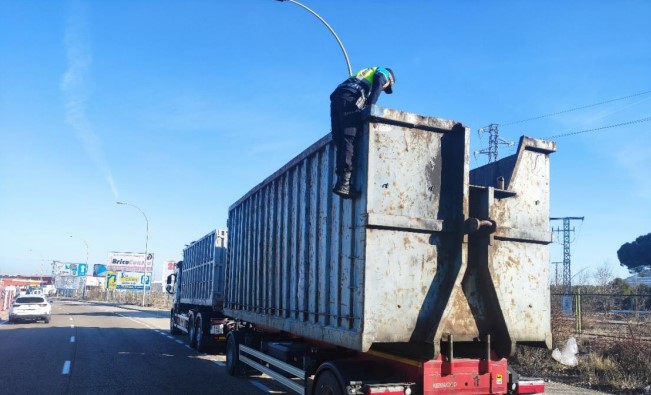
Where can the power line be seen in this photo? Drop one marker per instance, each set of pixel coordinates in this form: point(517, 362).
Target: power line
point(575, 108)
point(556, 136)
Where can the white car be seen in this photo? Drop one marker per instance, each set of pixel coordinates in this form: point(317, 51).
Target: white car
point(30, 308)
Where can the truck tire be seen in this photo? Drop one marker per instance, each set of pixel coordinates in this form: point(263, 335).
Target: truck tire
point(327, 384)
point(233, 364)
point(201, 341)
point(173, 329)
point(192, 331)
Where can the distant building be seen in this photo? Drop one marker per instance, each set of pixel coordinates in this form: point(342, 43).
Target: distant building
point(25, 281)
point(640, 278)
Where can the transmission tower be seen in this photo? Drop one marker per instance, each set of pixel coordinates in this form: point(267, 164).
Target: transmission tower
point(494, 141)
point(567, 270)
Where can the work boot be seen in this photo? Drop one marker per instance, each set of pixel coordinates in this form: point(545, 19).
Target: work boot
point(342, 187)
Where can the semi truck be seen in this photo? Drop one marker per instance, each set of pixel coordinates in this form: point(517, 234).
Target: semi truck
point(423, 283)
point(197, 286)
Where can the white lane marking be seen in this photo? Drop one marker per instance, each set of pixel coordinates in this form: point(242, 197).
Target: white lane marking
point(263, 387)
point(66, 368)
point(170, 337)
point(137, 321)
point(179, 341)
point(188, 347)
point(72, 327)
point(72, 339)
point(220, 364)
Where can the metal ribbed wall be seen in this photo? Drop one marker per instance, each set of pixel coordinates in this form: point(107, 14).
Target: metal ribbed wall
point(291, 260)
point(202, 277)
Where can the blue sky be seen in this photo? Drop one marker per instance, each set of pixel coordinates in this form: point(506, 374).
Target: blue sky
point(180, 107)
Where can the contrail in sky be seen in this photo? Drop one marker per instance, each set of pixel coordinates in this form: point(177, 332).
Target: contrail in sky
point(74, 85)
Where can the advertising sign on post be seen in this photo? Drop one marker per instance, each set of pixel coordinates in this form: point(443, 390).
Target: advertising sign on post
point(127, 280)
point(71, 269)
point(169, 267)
point(129, 262)
point(99, 270)
point(66, 269)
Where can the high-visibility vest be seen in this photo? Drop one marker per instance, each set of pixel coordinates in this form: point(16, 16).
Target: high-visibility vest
point(366, 75)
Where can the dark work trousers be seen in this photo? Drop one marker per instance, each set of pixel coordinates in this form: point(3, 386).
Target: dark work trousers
point(345, 119)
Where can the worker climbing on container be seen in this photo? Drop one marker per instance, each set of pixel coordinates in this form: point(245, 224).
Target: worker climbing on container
point(347, 103)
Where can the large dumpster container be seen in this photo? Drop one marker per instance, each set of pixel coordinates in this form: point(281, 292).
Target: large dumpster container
point(201, 273)
point(354, 272)
point(509, 263)
point(413, 286)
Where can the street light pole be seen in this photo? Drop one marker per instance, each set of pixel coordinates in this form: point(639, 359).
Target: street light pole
point(341, 45)
point(83, 292)
point(42, 260)
point(144, 278)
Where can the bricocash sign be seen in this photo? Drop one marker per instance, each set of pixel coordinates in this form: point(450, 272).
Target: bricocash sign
point(129, 262)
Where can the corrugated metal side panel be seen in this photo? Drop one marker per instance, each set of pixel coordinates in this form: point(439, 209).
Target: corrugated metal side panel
point(513, 261)
point(202, 271)
point(291, 253)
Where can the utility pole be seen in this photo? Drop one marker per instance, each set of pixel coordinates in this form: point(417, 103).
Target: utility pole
point(567, 270)
point(494, 142)
point(144, 274)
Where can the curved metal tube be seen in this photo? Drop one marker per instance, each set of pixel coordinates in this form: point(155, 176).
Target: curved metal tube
point(341, 45)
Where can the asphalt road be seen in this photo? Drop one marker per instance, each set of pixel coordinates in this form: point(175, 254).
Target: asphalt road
point(90, 348)
point(94, 348)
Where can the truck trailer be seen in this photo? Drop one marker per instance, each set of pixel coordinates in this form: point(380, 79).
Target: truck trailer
point(197, 286)
point(423, 283)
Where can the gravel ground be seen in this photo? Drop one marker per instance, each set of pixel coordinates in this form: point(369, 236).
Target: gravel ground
point(564, 389)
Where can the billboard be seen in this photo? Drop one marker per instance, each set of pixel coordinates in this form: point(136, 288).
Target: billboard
point(169, 267)
point(99, 270)
point(127, 280)
point(70, 269)
point(129, 262)
point(68, 282)
point(63, 268)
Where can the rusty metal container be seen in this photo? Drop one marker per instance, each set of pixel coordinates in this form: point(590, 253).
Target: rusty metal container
point(201, 274)
point(389, 268)
point(509, 265)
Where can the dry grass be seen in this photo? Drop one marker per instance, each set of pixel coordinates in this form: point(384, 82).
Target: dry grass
point(618, 362)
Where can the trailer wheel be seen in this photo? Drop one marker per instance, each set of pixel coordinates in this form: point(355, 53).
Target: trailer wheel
point(173, 329)
point(192, 331)
point(233, 364)
point(201, 342)
point(327, 384)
